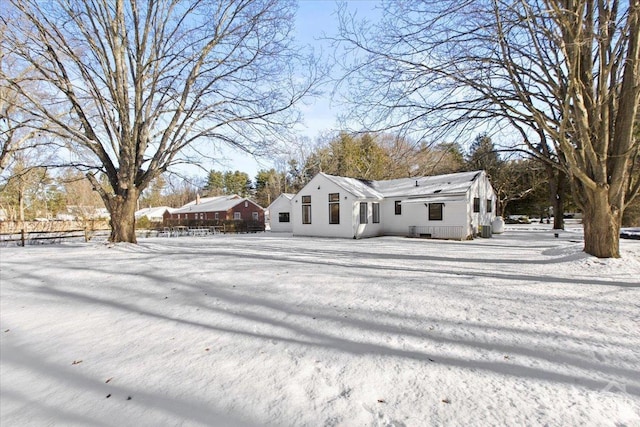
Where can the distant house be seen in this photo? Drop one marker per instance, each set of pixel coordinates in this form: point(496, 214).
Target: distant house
point(153, 214)
point(452, 206)
point(234, 211)
point(280, 213)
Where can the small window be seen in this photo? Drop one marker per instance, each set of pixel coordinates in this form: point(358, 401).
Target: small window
point(306, 199)
point(376, 212)
point(364, 214)
point(489, 205)
point(283, 217)
point(237, 215)
point(476, 204)
point(217, 215)
point(246, 204)
point(255, 216)
point(398, 207)
point(334, 208)
point(435, 211)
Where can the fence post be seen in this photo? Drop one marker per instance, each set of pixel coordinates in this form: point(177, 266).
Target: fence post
point(22, 236)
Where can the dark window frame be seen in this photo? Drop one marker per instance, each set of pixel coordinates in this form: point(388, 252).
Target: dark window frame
point(375, 212)
point(398, 207)
point(334, 208)
point(283, 215)
point(489, 205)
point(306, 209)
point(436, 211)
point(364, 213)
point(476, 204)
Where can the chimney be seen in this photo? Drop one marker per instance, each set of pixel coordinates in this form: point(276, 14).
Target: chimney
point(197, 199)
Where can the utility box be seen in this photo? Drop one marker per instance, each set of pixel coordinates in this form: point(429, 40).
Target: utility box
point(485, 231)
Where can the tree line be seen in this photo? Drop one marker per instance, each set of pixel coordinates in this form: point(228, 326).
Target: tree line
point(125, 91)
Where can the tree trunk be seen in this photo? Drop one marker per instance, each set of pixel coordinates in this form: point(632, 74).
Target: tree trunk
point(557, 192)
point(601, 222)
point(123, 223)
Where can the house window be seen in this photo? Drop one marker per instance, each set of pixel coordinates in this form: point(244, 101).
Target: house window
point(398, 207)
point(217, 216)
point(489, 205)
point(376, 212)
point(283, 217)
point(306, 209)
point(178, 216)
point(255, 216)
point(237, 215)
point(435, 211)
point(334, 208)
point(476, 204)
point(202, 215)
point(363, 213)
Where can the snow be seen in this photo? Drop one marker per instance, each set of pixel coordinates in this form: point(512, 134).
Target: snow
point(259, 329)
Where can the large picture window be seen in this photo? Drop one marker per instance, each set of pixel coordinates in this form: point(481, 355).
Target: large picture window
point(376, 212)
point(435, 211)
point(334, 208)
point(306, 209)
point(364, 213)
point(283, 217)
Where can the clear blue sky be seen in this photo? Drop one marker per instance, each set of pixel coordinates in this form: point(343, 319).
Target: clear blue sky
point(315, 18)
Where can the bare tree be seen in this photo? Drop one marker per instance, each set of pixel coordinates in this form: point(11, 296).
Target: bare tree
point(141, 86)
point(565, 75)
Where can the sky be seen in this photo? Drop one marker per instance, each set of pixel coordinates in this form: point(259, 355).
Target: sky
point(314, 19)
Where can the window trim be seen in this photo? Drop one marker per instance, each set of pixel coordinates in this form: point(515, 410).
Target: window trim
point(364, 205)
point(476, 205)
point(334, 203)
point(432, 216)
point(237, 216)
point(375, 212)
point(489, 205)
point(282, 215)
point(306, 206)
point(398, 207)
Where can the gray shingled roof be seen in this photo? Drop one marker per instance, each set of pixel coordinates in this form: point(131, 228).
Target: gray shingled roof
point(436, 186)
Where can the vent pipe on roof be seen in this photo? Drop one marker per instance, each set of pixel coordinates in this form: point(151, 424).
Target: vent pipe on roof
point(416, 182)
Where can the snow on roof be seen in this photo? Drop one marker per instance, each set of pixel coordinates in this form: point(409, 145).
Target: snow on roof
point(439, 185)
point(211, 204)
point(202, 200)
point(287, 196)
point(360, 188)
point(152, 212)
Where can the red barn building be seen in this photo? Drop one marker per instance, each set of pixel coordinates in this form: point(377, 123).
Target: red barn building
point(235, 212)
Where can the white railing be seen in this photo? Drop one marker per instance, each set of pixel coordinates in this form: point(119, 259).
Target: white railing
point(438, 232)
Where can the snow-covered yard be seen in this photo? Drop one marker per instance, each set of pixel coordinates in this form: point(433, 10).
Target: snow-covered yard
point(265, 329)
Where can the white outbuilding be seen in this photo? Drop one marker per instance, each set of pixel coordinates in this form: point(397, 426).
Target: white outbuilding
point(452, 206)
point(280, 213)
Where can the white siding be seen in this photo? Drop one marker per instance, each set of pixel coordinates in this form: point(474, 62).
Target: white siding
point(319, 189)
point(281, 205)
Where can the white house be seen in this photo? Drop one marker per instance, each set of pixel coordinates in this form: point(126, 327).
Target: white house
point(280, 213)
point(452, 206)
